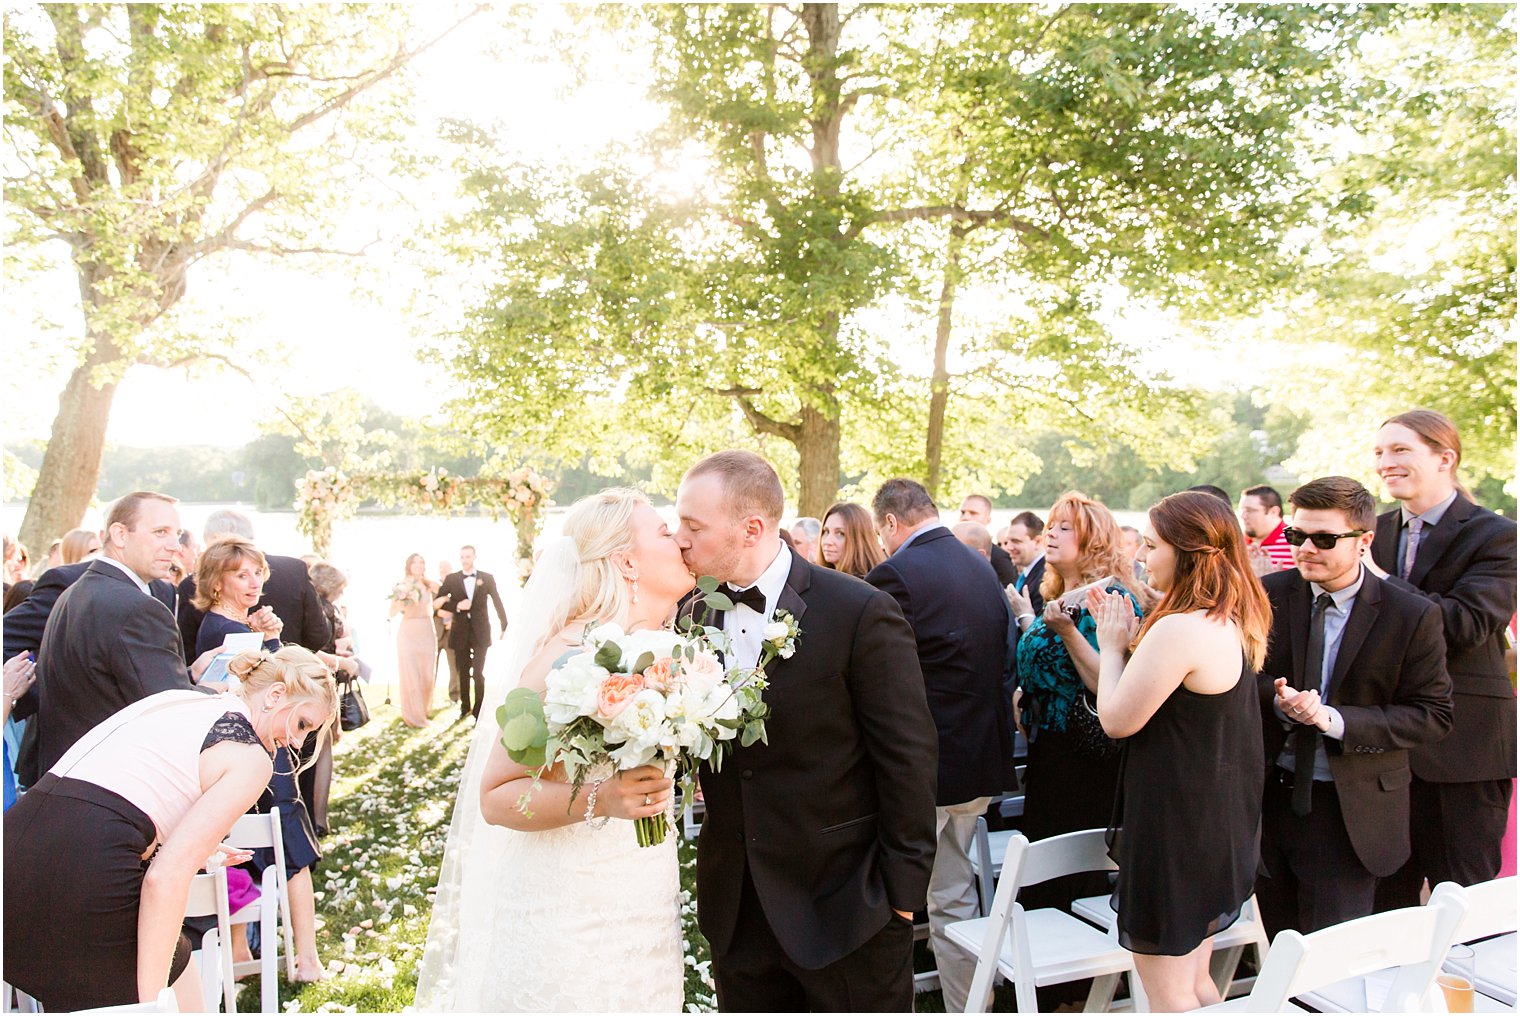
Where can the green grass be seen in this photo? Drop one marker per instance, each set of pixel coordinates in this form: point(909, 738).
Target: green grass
point(393, 791)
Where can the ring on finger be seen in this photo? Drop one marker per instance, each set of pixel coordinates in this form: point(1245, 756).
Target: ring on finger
point(648, 800)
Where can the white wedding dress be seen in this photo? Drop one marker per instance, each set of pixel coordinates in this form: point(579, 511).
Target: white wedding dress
point(573, 919)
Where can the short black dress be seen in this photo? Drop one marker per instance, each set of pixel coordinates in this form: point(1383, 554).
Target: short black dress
point(1186, 833)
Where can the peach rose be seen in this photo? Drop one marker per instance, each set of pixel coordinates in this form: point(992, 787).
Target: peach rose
point(658, 674)
point(616, 692)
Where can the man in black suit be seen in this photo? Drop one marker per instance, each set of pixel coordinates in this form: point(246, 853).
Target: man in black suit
point(470, 632)
point(818, 843)
point(960, 620)
point(287, 590)
point(108, 641)
point(1026, 535)
point(1355, 678)
point(1461, 558)
point(978, 508)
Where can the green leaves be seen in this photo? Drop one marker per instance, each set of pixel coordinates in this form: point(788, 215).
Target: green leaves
point(524, 733)
point(609, 657)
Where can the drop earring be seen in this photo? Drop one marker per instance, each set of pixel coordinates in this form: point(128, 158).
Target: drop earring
point(635, 581)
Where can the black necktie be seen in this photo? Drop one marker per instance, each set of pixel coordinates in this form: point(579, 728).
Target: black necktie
point(752, 596)
point(1306, 735)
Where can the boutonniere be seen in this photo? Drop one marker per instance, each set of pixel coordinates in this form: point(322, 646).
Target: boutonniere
point(779, 639)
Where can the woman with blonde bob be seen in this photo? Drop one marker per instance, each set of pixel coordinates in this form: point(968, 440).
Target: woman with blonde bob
point(1182, 694)
point(100, 853)
point(546, 874)
point(1073, 768)
point(847, 541)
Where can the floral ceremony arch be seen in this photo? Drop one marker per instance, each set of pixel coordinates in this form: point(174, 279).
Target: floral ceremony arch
point(324, 496)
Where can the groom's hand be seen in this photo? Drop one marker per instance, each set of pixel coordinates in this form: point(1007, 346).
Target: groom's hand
point(904, 915)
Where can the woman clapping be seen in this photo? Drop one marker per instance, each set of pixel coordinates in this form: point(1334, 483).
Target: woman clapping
point(1185, 704)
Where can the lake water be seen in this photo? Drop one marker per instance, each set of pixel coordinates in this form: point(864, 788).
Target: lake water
point(371, 549)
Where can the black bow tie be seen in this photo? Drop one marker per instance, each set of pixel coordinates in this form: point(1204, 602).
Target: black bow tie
point(752, 596)
point(469, 575)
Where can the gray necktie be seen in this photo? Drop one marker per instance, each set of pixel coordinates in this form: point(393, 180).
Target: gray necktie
point(1306, 735)
point(1411, 546)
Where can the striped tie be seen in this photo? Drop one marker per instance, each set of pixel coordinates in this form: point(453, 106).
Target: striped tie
point(1411, 546)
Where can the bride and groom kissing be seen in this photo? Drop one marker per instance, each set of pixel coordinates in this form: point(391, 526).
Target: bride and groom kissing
point(818, 842)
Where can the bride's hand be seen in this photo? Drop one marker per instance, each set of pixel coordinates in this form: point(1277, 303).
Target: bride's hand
point(637, 793)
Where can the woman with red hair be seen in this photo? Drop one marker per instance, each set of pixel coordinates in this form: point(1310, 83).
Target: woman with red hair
point(1185, 704)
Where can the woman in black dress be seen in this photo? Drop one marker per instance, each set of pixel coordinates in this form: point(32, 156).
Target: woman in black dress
point(1185, 703)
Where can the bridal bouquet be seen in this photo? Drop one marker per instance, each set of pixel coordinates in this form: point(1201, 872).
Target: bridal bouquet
point(642, 697)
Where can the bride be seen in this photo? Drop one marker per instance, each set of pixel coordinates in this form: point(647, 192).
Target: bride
point(555, 907)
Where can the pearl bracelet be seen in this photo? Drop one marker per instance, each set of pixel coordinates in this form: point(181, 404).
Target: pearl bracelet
point(591, 819)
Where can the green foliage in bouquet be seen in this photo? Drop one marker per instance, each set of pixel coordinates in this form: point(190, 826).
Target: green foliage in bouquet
point(524, 733)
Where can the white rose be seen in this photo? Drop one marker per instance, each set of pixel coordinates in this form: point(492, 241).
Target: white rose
point(642, 720)
point(787, 652)
point(776, 631)
point(571, 689)
point(608, 632)
point(702, 674)
point(656, 641)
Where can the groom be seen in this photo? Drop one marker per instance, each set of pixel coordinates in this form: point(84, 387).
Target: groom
point(818, 845)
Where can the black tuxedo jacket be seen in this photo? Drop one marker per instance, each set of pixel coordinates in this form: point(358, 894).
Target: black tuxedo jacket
point(1032, 586)
point(288, 590)
point(472, 627)
point(960, 618)
point(106, 645)
point(1007, 572)
point(25, 622)
point(834, 817)
point(1465, 564)
point(1390, 686)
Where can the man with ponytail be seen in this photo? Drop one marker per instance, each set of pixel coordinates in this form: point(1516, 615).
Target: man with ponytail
point(1461, 558)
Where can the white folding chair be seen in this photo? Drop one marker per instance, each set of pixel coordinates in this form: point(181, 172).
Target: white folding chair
point(988, 848)
point(19, 1001)
point(208, 897)
point(165, 1002)
point(1247, 932)
point(1037, 948)
point(252, 831)
point(1414, 940)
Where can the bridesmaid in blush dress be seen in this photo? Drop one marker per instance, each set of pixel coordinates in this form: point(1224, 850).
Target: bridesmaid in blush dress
point(416, 598)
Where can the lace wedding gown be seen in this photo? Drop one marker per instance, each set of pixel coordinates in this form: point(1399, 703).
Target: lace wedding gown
point(573, 919)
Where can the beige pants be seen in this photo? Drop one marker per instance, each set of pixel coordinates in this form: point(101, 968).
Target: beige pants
point(952, 896)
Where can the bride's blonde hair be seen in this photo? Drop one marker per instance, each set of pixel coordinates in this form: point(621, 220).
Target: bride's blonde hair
point(599, 525)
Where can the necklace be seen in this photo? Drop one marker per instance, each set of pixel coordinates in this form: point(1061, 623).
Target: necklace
point(221, 608)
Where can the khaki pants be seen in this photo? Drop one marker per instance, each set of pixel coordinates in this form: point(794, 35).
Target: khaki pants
point(952, 896)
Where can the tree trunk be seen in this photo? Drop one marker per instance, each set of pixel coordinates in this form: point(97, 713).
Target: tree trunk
point(818, 459)
point(71, 464)
point(939, 384)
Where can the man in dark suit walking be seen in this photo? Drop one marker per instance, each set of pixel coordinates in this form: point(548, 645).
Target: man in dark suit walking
point(960, 620)
point(1355, 678)
point(1461, 558)
point(108, 641)
point(818, 844)
point(470, 633)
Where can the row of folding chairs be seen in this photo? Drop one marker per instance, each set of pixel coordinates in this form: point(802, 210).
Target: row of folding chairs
point(1038, 948)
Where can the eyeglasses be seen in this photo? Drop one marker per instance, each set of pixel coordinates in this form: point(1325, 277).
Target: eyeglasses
point(1324, 541)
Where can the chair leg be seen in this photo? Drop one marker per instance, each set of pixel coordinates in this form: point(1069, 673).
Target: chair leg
point(1101, 995)
point(1222, 967)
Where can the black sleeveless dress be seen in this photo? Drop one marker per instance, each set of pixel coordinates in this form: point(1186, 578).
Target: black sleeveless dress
point(1186, 830)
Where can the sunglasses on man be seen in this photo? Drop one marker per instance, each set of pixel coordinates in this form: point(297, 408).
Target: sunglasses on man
point(1324, 541)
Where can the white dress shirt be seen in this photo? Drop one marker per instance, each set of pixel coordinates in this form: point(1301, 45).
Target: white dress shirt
point(743, 625)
